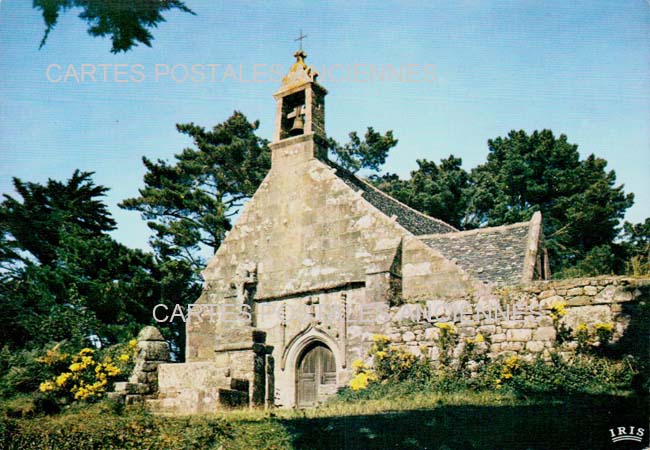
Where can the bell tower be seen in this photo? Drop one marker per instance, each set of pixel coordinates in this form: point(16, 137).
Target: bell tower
point(300, 113)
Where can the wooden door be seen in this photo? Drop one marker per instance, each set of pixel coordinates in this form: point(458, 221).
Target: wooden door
point(315, 370)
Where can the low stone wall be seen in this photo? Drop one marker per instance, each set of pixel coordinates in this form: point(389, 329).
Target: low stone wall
point(521, 319)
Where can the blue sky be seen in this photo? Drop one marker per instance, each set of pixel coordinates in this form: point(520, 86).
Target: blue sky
point(580, 68)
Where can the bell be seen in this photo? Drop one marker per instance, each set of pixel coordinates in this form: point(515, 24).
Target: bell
point(298, 127)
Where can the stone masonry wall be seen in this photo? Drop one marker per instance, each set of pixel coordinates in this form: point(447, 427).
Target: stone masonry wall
point(589, 301)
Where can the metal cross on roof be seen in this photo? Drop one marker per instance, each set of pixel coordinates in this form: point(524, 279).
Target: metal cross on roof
point(300, 38)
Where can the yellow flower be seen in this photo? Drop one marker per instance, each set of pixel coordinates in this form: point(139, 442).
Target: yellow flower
point(381, 339)
point(512, 362)
point(380, 354)
point(581, 328)
point(86, 351)
point(359, 381)
point(605, 327)
point(447, 327)
point(63, 378)
point(124, 358)
point(76, 367)
point(87, 361)
point(112, 370)
point(480, 338)
point(133, 343)
point(558, 309)
point(46, 386)
point(357, 364)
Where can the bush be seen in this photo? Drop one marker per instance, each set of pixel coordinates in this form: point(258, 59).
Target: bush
point(390, 364)
point(88, 374)
point(580, 374)
point(96, 427)
point(587, 373)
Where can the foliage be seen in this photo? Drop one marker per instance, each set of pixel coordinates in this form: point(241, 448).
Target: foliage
point(636, 242)
point(100, 427)
point(580, 374)
point(557, 310)
point(86, 378)
point(190, 203)
point(21, 372)
point(65, 278)
point(126, 22)
point(579, 199)
point(447, 341)
point(38, 222)
point(369, 153)
point(390, 364)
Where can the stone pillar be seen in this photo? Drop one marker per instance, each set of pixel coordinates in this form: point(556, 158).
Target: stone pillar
point(143, 382)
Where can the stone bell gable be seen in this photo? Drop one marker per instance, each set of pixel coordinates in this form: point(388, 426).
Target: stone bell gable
point(313, 265)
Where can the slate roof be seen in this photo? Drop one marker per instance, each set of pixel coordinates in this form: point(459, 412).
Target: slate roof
point(414, 221)
point(494, 255)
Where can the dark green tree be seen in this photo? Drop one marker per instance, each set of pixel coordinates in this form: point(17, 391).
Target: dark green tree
point(189, 204)
point(127, 22)
point(636, 242)
point(369, 153)
point(36, 223)
point(579, 200)
point(65, 278)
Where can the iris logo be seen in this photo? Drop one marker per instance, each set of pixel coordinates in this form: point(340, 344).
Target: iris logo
point(619, 434)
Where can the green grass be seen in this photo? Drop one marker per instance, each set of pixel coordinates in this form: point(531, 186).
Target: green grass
point(401, 418)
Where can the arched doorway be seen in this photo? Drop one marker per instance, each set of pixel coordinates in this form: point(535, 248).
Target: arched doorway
point(315, 375)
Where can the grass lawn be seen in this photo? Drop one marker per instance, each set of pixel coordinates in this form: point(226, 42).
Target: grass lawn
point(415, 421)
point(462, 421)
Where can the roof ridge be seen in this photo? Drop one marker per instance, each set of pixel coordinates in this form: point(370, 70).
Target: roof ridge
point(476, 230)
point(378, 191)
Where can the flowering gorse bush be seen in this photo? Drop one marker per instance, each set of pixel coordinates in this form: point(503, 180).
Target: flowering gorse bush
point(362, 375)
point(87, 375)
point(390, 363)
point(588, 339)
point(509, 367)
point(447, 341)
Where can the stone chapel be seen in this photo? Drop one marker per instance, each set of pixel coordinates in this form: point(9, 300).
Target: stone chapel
point(311, 268)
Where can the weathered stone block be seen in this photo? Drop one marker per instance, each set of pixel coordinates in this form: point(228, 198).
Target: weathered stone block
point(547, 302)
point(544, 334)
point(519, 335)
point(467, 331)
point(534, 346)
point(487, 330)
point(591, 290)
point(512, 346)
point(546, 294)
point(408, 336)
point(150, 333)
point(431, 334)
point(499, 337)
point(233, 399)
point(154, 350)
point(508, 324)
point(575, 292)
point(581, 300)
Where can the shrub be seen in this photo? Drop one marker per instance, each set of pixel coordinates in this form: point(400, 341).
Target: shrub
point(580, 374)
point(390, 364)
point(96, 427)
point(87, 375)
